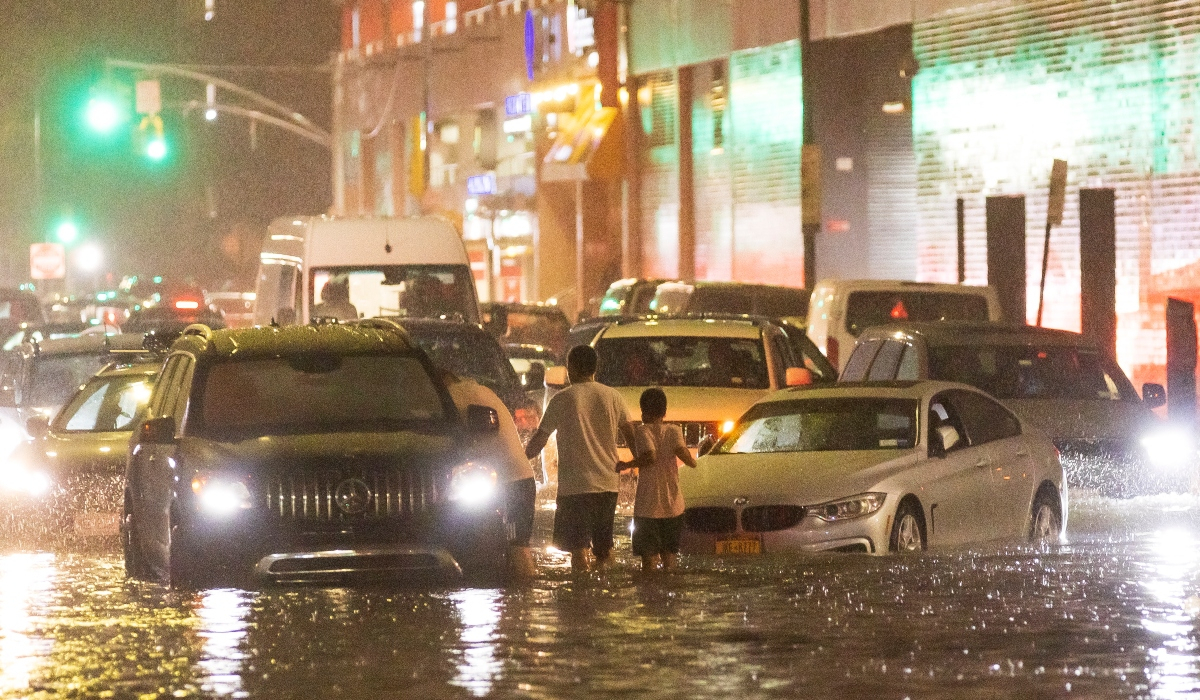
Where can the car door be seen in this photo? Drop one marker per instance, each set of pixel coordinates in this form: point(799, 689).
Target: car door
point(956, 490)
point(996, 432)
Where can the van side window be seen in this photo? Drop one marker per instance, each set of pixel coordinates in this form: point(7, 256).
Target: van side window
point(178, 408)
point(985, 420)
point(860, 360)
point(163, 388)
point(910, 367)
point(886, 361)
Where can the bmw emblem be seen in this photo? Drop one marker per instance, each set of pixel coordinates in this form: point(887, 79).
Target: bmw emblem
point(352, 496)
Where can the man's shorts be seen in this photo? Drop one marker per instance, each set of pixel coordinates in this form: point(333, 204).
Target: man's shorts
point(585, 520)
point(520, 499)
point(656, 535)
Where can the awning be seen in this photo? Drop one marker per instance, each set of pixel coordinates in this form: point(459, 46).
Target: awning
point(589, 146)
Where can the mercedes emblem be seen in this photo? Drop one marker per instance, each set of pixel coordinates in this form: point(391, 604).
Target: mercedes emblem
point(352, 496)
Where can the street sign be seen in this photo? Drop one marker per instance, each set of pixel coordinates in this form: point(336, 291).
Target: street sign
point(47, 261)
point(149, 97)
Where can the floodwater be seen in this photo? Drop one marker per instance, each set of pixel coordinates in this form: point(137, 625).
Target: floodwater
point(1112, 613)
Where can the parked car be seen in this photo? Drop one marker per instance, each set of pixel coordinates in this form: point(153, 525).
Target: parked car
point(628, 297)
point(528, 324)
point(171, 319)
point(841, 309)
point(18, 307)
point(731, 298)
point(1060, 382)
point(711, 369)
point(874, 468)
point(66, 483)
point(308, 453)
point(236, 308)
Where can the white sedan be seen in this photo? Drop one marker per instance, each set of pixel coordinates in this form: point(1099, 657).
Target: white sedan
point(878, 467)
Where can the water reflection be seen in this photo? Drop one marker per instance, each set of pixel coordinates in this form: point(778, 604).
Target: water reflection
point(25, 580)
point(477, 666)
point(1171, 581)
point(223, 629)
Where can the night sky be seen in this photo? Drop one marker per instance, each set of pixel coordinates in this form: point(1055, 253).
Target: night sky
point(158, 219)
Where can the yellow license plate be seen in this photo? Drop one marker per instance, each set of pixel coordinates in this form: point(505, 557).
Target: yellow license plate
point(739, 547)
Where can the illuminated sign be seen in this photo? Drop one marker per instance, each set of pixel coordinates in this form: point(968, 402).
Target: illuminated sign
point(481, 184)
point(520, 125)
point(518, 104)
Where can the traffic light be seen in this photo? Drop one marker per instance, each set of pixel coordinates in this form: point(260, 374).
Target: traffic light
point(152, 139)
point(106, 108)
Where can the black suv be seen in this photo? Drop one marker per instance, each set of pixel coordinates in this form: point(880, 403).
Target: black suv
point(307, 454)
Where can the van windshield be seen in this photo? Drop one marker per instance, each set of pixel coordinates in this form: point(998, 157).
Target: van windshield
point(410, 291)
point(866, 309)
point(1032, 372)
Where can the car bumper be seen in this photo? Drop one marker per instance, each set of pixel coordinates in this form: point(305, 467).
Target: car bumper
point(867, 535)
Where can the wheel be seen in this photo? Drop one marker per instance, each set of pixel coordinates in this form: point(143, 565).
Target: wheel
point(1045, 522)
point(908, 529)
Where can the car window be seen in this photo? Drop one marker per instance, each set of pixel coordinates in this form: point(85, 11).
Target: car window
point(781, 302)
point(942, 413)
point(724, 300)
point(808, 355)
point(910, 365)
point(984, 419)
point(860, 360)
point(178, 407)
point(866, 309)
point(54, 379)
point(546, 329)
point(476, 356)
point(106, 404)
point(701, 361)
point(411, 291)
point(670, 300)
point(886, 361)
point(821, 425)
point(1009, 371)
point(165, 390)
point(315, 393)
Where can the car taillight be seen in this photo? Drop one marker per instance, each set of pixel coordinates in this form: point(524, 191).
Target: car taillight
point(187, 304)
point(831, 350)
point(526, 419)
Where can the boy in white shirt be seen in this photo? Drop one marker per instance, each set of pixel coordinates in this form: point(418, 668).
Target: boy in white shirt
point(658, 506)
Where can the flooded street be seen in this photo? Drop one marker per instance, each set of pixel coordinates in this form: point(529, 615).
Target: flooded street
point(1112, 613)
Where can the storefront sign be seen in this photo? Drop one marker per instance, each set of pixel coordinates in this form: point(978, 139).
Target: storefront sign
point(481, 184)
point(520, 125)
point(530, 44)
point(518, 105)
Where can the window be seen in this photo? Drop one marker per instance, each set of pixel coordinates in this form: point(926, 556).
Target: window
point(1032, 371)
point(942, 414)
point(910, 366)
point(860, 360)
point(984, 419)
point(820, 425)
point(107, 404)
point(733, 363)
point(166, 389)
point(886, 361)
point(866, 309)
point(413, 291)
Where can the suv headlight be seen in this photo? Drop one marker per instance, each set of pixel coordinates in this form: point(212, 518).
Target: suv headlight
point(1169, 448)
point(473, 484)
point(220, 495)
point(848, 508)
point(29, 482)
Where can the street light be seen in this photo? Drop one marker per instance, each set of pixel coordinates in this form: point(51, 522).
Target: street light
point(66, 232)
point(89, 257)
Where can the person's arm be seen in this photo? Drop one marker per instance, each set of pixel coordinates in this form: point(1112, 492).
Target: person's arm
point(641, 446)
point(536, 443)
point(547, 427)
point(682, 451)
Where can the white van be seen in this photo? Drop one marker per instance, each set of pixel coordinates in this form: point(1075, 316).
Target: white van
point(841, 309)
point(316, 266)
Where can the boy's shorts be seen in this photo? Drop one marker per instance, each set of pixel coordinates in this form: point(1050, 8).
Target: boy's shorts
point(656, 535)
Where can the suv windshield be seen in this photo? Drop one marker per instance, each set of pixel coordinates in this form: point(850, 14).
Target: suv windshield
point(1032, 372)
point(411, 291)
point(866, 309)
point(316, 394)
point(733, 363)
point(475, 356)
point(821, 425)
point(106, 404)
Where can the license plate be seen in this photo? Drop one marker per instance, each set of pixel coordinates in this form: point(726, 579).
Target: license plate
point(97, 524)
point(739, 547)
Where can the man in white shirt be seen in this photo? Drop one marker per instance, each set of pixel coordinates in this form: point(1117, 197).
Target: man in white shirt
point(587, 416)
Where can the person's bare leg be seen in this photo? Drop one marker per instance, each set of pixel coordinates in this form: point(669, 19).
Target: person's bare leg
point(670, 561)
point(520, 563)
point(579, 560)
point(649, 562)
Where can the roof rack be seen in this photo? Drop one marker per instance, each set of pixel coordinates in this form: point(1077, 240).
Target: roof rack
point(197, 329)
point(379, 323)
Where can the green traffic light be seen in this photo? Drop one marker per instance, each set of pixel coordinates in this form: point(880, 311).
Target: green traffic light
point(156, 149)
point(102, 114)
point(66, 232)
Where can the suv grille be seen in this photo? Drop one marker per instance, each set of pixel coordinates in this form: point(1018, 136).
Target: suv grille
point(710, 519)
point(771, 518)
point(309, 494)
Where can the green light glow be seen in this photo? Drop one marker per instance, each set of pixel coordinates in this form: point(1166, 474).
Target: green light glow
point(102, 115)
point(66, 232)
point(156, 148)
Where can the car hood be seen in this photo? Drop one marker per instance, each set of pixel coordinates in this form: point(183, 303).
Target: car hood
point(76, 453)
point(321, 450)
point(799, 478)
point(688, 403)
point(1063, 419)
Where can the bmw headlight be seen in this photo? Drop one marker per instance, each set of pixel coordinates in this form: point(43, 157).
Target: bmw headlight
point(1169, 448)
point(473, 484)
point(220, 495)
point(848, 508)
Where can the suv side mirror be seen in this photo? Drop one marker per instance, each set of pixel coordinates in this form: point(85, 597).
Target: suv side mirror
point(535, 377)
point(556, 376)
point(482, 419)
point(37, 426)
point(1154, 395)
point(799, 376)
point(157, 431)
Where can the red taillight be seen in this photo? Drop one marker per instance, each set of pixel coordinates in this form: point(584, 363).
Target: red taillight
point(526, 419)
point(187, 304)
point(831, 350)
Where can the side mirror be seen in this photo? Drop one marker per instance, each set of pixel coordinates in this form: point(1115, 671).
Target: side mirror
point(949, 438)
point(556, 376)
point(706, 445)
point(37, 426)
point(1154, 395)
point(799, 376)
point(482, 419)
point(157, 431)
point(535, 377)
